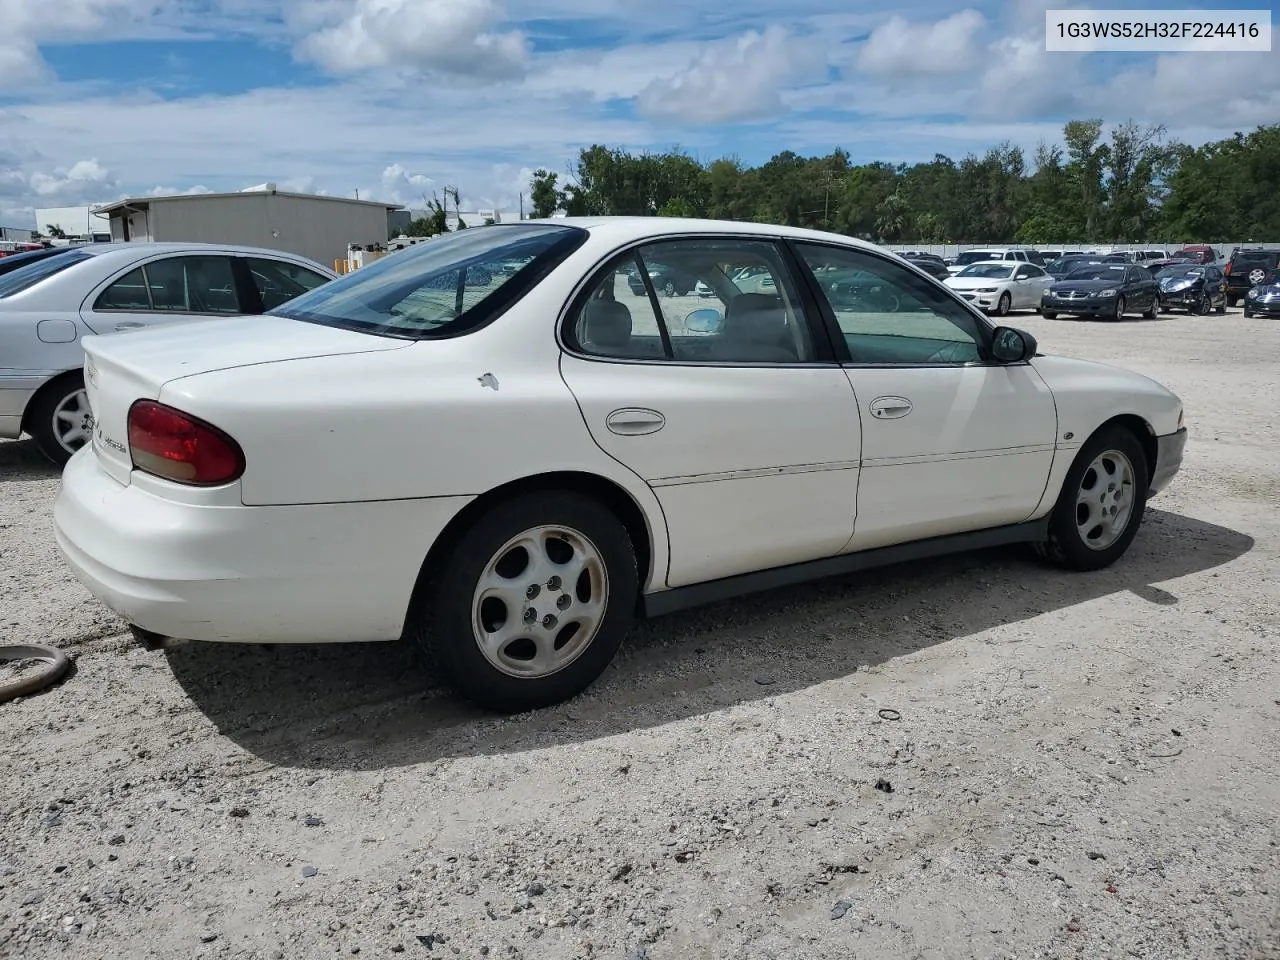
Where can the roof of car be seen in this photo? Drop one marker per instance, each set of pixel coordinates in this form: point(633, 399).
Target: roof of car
point(133, 250)
point(639, 228)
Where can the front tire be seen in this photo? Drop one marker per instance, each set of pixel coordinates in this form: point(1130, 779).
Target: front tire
point(531, 604)
point(1119, 312)
point(1003, 304)
point(1049, 314)
point(1101, 504)
point(59, 420)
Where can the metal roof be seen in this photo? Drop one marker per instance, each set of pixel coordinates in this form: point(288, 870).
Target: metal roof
point(138, 202)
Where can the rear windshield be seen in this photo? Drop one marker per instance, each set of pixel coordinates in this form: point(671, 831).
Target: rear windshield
point(441, 288)
point(26, 277)
point(976, 256)
point(1257, 256)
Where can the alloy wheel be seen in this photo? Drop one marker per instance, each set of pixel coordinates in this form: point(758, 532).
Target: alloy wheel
point(73, 421)
point(1105, 500)
point(540, 602)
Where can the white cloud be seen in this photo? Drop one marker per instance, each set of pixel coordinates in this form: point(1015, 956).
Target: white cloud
point(191, 191)
point(944, 46)
point(81, 179)
point(737, 80)
point(452, 37)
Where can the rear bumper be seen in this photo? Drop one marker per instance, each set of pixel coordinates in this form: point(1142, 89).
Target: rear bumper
point(295, 574)
point(1169, 450)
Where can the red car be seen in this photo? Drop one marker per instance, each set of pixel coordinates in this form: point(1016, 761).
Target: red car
point(1198, 253)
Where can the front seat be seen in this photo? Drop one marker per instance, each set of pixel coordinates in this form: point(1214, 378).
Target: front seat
point(606, 328)
point(755, 331)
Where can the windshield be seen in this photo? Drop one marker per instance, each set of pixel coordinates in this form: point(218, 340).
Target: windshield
point(1099, 271)
point(1066, 265)
point(976, 256)
point(1180, 270)
point(995, 270)
point(26, 277)
point(446, 286)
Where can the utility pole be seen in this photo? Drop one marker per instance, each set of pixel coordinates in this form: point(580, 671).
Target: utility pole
point(357, 193)
point(521, 206)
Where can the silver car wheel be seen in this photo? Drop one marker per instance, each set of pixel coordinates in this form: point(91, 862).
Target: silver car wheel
point(73, 421)
point(540, 602)
point(1105, 500)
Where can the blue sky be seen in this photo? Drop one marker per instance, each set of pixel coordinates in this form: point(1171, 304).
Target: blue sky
point(101, 99)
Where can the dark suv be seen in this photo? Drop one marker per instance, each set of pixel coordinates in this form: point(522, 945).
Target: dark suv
point(1248, 269)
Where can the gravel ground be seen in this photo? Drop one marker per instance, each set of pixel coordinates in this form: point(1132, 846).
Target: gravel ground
point(975, 757)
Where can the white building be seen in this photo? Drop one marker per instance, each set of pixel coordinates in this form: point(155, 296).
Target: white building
point(322, 228)
point(77, 222)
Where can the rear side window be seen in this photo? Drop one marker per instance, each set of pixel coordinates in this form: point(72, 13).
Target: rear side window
point(444, 287)
point(27, 277)
point(199, 284)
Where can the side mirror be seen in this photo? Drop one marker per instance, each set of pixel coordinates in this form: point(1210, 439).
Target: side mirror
point(1010, 345)
point(706, 320)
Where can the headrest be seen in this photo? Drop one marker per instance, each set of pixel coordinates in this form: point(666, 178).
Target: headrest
point(757, 317)
point(606, 323)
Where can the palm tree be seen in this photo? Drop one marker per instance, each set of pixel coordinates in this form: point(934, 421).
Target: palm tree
point(892, 217)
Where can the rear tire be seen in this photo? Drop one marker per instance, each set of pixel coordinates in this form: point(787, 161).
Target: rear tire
point(1091, 525)
point(504, 634)
point(59, 420)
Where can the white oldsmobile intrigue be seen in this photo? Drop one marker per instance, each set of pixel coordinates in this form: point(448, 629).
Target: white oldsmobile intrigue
point(493, 444)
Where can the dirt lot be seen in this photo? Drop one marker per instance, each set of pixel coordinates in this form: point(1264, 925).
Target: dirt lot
point(1084, 766)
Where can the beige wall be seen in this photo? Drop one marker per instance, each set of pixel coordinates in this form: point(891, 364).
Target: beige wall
point(319, 229)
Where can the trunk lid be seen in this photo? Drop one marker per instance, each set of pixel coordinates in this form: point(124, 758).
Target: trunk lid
point(123, 367)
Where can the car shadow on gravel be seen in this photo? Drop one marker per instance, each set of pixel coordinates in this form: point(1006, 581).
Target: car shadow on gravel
point(21, 461)
point(373, 706)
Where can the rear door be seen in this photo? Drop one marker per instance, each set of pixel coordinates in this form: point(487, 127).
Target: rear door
point(165, 289)
point(730, 407)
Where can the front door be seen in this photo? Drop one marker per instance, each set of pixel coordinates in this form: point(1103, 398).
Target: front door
point(950, 441)
point(722, 400)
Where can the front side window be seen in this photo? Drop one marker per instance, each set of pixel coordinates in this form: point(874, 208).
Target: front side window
point(707, 300)
point(889, 315)
point(279, 281)
point(445, 286)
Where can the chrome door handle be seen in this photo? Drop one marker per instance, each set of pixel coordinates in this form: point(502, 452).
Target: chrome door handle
point(635, 421)
point(890, 408)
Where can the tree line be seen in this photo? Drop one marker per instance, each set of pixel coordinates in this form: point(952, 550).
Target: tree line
point(1133, 186)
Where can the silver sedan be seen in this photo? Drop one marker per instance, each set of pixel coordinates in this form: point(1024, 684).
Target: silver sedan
point(47, 306)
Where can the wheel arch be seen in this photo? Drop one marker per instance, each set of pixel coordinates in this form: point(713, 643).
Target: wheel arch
point(53, 383)
point(650, 545)
point(1135, 423)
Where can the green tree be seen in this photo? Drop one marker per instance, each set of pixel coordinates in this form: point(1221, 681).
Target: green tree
point(544, 194)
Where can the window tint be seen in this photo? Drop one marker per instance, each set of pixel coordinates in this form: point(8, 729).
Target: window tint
point(718, 301)
point(1023, 273)
point(127, 293)
point(891, 315)
point(192, 285)
point(442, 287)
point(279, 281)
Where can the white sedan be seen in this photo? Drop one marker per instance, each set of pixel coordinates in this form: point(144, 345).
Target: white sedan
point(998, 287)
point(48, 305)
point(489, 443)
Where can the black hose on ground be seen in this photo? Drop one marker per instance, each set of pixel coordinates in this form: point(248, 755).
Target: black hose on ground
point(56, 664)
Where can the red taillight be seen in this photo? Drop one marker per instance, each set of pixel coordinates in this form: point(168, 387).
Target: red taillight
point(171, 444)
point(1227, 269)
